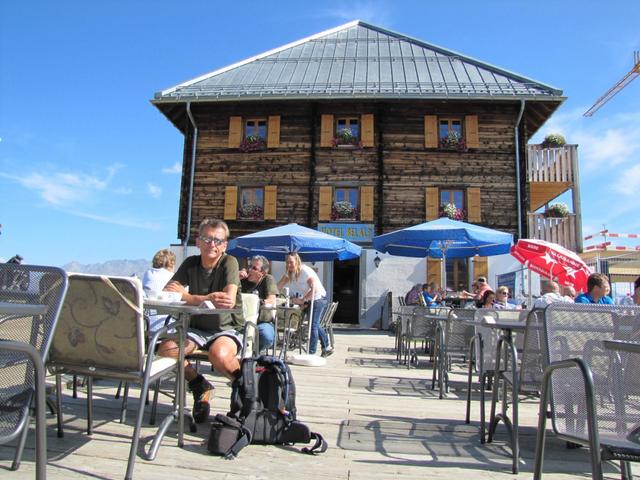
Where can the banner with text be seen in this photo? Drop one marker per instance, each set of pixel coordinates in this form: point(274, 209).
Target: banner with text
point(354, 232)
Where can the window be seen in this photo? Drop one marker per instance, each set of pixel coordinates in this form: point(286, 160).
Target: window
point(450, 133)
point(452, 204)
point(345, 203)
point(255, 127)
point(457, 273)
point(251, 203)
point(347, 131)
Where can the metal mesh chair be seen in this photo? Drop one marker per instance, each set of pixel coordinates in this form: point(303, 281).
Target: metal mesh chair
point(592, 392)
point(404, 315)
point(31, 299)
point(326, 321)
point(422, 328)
point(100, 333)
point(482, 348)
point(453, 336)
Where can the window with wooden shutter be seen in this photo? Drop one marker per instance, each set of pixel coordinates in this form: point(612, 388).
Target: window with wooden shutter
point(273, 132)
point(326, 130)
point(235, 131)
point(471, 131)
point(430, 131)
point(481, 267)
point(434, 271)
point(230, 202)
point(324, 203)
point(270, 202)
point(473, 205)
point(367, 130)
point(366, 204)
point(431, 204)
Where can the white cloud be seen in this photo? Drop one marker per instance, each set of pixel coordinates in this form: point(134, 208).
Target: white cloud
point(176, 168)
point(371, 12)
point(154, 190)
point(629, 182)
point(120, 220)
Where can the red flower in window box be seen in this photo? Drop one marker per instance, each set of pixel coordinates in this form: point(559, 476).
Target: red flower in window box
point(251, 211)
point(346, 137)
point(343, 211)
point(453, 141)
point(449, 210)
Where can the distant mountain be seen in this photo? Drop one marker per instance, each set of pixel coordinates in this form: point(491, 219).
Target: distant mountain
point(124, 268)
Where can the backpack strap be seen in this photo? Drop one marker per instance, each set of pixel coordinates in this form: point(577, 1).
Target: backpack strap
point(250, 379)
point(243, 441)
point(320, 444)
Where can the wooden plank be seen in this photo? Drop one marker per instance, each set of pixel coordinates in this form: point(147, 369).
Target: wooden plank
point(273, 131)
point(235, 131)
point(430, 131)
point(541, 193)
point(230, 202)
point(325, 202)
point(472, 136)
point(367, 130)
point(434, 271)
point(326, 130)
point(431, 203)
point(366, 203)
point(481, 267)
point(270, 202)
point(474, 214)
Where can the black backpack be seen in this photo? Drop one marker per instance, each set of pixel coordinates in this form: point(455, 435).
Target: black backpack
point(263, 403)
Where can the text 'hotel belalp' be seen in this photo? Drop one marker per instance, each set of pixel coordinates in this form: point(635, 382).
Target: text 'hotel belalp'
point(359, 131)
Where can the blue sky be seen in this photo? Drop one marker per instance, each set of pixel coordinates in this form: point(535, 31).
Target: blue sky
point(90, 170)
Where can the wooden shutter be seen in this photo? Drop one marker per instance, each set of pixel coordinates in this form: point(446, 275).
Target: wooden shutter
point(324, 203)
point(230, 202)
point(235, 132)
point(273, 132)
point(431, 203)
point(473, 205)
point(366, 204)
point(434, 271)
point(471, 131)
point(270, 202)
point(430, 131)
point(326, 130)
point(481, 268)
point(367, 130)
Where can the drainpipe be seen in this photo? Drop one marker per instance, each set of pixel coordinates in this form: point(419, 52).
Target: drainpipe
point(194, 144)
point(518, 188)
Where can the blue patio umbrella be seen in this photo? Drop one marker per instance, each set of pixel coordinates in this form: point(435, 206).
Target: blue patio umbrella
point(276, 243)
point(444, 238)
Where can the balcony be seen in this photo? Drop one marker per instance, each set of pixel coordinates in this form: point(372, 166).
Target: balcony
point(562, 231)
point(550, 172)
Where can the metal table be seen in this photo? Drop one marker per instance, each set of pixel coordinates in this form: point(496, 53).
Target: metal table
point(182, 313)
point(28, 310)
point(622, 346)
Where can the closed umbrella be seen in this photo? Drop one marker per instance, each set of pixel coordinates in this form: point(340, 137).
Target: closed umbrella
point(444, 238)
point(552, 261)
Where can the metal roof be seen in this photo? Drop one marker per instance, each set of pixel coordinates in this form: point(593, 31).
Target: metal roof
point(358, 60)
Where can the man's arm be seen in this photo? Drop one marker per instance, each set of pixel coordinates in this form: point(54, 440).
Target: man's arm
point(283, 281)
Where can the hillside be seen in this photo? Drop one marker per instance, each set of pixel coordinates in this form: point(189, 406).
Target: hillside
point(124, 268)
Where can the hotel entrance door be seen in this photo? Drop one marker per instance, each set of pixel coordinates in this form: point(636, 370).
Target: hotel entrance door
point(346, 291)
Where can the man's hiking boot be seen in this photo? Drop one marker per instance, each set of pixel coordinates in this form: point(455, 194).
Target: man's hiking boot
point(201, 390)
point(326, 352)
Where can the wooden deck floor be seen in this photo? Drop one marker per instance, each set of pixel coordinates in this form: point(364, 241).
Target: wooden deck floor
point(381, 421)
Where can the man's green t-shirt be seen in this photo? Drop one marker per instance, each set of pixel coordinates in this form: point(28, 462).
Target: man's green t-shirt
point(202, 282)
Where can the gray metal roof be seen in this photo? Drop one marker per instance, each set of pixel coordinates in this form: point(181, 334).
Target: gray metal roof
point(358, 60)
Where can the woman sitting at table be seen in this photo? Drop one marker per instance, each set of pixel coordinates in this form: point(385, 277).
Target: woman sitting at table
point(430, 295)
point(486, 300)
point(502, 300)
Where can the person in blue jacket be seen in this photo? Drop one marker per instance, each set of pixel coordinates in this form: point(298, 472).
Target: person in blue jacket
point(597, 289)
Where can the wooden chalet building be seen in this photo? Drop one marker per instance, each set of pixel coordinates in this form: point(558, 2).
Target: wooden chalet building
point(358, 131)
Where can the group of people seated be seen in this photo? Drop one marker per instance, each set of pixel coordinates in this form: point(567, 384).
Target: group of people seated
point(215, 276)
point(484, 296)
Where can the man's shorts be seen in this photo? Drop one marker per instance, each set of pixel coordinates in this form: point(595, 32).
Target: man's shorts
point(204, 339)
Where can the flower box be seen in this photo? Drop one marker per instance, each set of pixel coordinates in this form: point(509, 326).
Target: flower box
point(343, 211)
point(553, 140)
point(449, 210)
point(253, 143)
point(346, 139)
point(557, 210)
point(453, 141)
point(250, 211)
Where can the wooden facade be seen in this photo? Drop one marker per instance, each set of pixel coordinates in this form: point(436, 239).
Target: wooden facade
point(399, 177)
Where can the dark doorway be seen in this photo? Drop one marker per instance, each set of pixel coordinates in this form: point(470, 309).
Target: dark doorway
point(346, 291)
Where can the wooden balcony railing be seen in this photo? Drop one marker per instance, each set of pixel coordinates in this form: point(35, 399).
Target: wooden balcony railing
point(557, 230)
point(551, 164)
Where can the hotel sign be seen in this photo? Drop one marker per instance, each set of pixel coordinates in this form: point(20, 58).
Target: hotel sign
point(354, 232)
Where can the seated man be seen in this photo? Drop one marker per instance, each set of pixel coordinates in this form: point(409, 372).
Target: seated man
point(430, 294)
point(213, 276)
point(551, 295)
point(254, 279)
point(597, 288)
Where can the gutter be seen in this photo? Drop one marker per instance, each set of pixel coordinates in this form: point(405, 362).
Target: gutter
point(518, 187)
point(185, 243)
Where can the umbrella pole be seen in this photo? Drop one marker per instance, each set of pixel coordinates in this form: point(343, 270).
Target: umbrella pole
point(530, 305)
point(444, 271)
point(313, 296)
